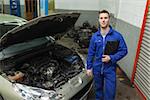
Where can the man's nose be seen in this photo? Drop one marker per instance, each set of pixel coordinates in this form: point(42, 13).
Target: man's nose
point(103, 19)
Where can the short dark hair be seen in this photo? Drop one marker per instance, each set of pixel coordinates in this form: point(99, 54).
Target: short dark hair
point(104, 11)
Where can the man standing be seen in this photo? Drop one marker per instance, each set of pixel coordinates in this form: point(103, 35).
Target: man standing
point(107, 46)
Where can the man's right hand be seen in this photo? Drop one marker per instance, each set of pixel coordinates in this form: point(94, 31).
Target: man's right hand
point(89, 72)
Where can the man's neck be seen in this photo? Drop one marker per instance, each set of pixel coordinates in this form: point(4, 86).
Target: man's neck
point(104, 31)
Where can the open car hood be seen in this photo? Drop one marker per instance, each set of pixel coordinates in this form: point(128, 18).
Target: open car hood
point(50, 25)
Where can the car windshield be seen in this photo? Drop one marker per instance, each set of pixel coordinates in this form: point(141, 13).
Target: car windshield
point(25, 46)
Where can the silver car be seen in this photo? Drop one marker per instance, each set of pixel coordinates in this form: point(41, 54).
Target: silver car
point(8, 22)
point(33, 66)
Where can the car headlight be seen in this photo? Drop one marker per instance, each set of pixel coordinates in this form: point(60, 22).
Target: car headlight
point(33, 93)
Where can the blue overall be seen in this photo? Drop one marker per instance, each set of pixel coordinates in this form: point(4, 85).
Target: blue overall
point(105, 73)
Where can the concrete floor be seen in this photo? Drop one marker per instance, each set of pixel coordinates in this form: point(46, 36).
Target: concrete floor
point(124, 91)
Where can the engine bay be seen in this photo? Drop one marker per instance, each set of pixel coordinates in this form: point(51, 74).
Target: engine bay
point(48, 70)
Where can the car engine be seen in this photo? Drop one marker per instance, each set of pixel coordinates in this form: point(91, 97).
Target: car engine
point(48, 70)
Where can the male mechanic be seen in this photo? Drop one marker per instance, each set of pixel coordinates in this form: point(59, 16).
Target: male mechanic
point(103, 65)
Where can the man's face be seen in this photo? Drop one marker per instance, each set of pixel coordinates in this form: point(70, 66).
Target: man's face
point(104, 20)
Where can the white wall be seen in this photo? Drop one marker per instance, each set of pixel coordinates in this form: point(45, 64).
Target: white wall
point(96, 5)
point(132, 11)
point(110, 5)
point(129, 22)
point(77, 4)
point(116, 10)
point(6, 2)
point(22, 2)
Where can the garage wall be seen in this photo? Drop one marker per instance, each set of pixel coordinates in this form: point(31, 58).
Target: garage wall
point(77, 4)
point(132, 11)
point(96, 5)
point(129, 22)
point(110, 5)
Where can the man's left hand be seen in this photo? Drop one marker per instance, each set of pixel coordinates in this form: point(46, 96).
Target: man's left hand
point(106, 58)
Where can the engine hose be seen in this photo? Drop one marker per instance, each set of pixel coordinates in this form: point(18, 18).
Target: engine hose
point(57, 77)
point(73, 71)
point(58, 84)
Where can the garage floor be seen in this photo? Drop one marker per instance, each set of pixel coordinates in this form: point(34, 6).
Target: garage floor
point(125, 90)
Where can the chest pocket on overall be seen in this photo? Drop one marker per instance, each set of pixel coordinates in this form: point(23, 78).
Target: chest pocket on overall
point(111, 47)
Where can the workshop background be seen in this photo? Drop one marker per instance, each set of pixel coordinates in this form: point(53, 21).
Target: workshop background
point(130, 17)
